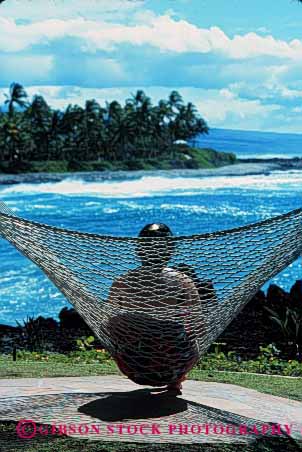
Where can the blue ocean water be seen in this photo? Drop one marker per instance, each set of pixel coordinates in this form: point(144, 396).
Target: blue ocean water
point(120, 206)
point(252, 144)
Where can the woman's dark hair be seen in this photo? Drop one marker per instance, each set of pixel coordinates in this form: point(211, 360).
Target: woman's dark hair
point(155, 253)
point(156, 230)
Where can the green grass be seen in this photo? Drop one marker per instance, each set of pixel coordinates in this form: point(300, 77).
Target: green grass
point(209, 158)
point(278, 386)
point(33, 369)
point(290, 388)
point(200, 158)
point(172, 159)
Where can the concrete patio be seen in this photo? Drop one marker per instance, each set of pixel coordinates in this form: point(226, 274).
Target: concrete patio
point(120, 410)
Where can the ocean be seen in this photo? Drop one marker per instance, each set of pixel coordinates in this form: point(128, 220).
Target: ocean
point(121, 205)
point(250, 144)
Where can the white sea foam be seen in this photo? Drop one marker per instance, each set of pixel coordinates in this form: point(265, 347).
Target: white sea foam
point(110, 210)
point(92, 204)
point(160, 185)
point(42, 206)
point(203, 209)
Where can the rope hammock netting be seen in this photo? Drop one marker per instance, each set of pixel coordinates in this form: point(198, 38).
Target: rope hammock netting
point(157, 304)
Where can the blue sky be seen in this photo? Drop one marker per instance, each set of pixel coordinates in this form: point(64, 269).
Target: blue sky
point(240, 62)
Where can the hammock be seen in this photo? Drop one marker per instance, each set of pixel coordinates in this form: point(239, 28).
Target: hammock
point(156, 319)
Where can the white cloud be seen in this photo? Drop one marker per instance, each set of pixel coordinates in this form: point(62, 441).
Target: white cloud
point(33, 10)
point(252, 45)
point(162, 32)
point(249, 80)
point(216, 106)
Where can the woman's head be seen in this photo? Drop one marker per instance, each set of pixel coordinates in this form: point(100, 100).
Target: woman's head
point(155, 230)
point(158, 251)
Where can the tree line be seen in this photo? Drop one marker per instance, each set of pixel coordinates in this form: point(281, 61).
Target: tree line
point(33, 131)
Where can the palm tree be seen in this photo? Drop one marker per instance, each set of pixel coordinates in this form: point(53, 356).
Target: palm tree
point(55, 136)
point(74, 146)
point(17, 95)
point(161, 117)
point(175, 101)
point(2, 147)
point(142, 116)
point(137, 129)
point(39, 116)
point(121, 126)
point(137, 99)
point(15, 138)
point(95, 129)
point(190, 123)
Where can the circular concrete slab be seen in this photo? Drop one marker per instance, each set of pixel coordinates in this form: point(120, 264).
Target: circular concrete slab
point(112, 408)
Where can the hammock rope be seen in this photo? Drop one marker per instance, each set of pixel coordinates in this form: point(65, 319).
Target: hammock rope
point(157, 304)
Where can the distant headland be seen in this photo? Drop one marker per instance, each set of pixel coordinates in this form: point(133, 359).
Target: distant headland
point(137, 135)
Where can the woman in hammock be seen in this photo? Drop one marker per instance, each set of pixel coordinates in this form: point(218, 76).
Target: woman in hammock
point(152, 349)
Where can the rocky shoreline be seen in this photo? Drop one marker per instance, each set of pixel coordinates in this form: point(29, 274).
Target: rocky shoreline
point(279, 163)
point(242, 167)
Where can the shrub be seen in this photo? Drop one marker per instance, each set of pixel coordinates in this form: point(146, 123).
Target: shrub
point(77, 165)
point(34, 332)
point(70, 319)
point(267, 362)
point(50, 166)
point(85, 343)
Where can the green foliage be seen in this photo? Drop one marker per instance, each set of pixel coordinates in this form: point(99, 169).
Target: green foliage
point(217, 348)
point(290, 324)
point(267, 362)
point(83, 356)
point(15, 167)
point(17, 96)
point(90, 356)
point(85, 343)
point(133, 133)
point(32, 333)
point(209, 158)
point(50, 166)
point(102, 165)
point(25, 355)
